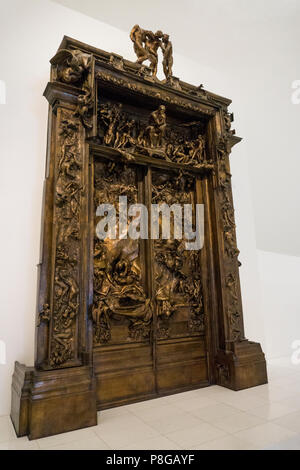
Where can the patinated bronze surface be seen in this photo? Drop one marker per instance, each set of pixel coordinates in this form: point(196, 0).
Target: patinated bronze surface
point(124, 320)
point(146, 45)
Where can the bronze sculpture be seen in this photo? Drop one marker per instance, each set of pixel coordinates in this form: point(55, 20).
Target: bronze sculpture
point(167, 49)
point(138, 36)
point(125, 320)
point(157, 127)
point(146, 44)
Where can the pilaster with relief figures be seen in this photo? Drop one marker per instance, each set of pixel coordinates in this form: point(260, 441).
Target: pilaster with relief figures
point(239, 363)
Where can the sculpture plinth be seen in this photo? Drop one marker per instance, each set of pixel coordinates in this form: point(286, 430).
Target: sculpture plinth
point(125, 320)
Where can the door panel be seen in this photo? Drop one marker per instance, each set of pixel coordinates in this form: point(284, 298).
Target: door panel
point(124, 372)
point(148, 310)
point(122, 312)
point(180, 344)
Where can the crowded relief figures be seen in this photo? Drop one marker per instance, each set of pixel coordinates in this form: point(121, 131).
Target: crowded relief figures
point(146, 44)
point(150, 136)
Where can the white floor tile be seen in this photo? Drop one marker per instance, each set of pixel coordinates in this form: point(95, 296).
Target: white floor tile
point(194, 403)
point(293, 401)
point(107, 415)
point(244, 403)
point(66, 437)
point(190, 395)
point(216, 392)
point(203, 432)
point(225, 443)
point(122, 421)
point(21, 443)
point(142, 405)
point(92, 443)
point(290, 421)
point(289, 444)
point(118, 437)
point(265, 435)
point(169, 399)
point(7, 432)
point(273, 393)
point(213, 412)
point(158, 412)
point(156, 443)
point(179, 420)
point(237, 421)
point(272, 411)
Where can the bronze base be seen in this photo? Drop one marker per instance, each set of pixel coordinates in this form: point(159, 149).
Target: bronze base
point(243, 367)
point(52, 402)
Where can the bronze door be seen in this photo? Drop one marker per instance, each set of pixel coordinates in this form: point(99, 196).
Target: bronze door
point(149, 310)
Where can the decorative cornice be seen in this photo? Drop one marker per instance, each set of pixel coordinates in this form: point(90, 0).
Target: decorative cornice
point(155, 92)
point(55, 91)
point(111, 60)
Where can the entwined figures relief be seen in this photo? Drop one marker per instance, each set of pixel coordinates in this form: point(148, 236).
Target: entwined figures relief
point(146, 45)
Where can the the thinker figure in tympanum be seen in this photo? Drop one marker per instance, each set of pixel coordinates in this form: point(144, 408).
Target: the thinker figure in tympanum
point(146, 45)
point(156, 130)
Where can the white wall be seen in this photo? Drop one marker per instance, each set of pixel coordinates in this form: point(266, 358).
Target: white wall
point(30, 34)
point(256, 44)
point(280, 294)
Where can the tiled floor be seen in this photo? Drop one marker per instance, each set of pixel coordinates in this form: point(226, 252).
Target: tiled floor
point(265, 417)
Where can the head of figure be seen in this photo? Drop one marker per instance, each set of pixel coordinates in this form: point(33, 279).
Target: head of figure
point(165, 38)
point(122, 268)
point(170, 261)
point(162, 109)
point(158, 34)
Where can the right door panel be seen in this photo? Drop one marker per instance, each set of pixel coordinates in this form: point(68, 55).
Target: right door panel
point(179, 326)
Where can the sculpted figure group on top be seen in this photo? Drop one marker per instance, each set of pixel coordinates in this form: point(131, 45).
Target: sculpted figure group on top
point(146, 44)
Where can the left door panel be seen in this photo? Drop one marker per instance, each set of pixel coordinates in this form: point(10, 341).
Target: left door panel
point(122, 311)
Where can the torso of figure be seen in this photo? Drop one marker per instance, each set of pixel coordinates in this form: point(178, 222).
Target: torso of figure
point(151, 43)
point(168, 50)
point(158, 118)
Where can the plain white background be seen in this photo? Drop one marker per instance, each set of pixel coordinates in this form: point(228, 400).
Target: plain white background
point(252, 58)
